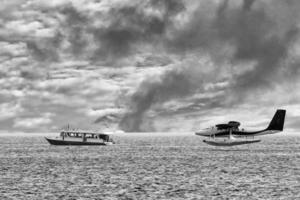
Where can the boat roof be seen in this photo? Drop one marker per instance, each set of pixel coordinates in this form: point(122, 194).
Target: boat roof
point(85, 132)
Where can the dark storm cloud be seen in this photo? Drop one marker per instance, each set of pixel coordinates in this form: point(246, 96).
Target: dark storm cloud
point(131, 25)
point(41, 48)
point(173, 84)
point(171, 7)
point(121, 35)
point(75, 25)
point(30, 75)
point(253, 33)
point(128, 26)
point(46, 49)
point(247, 4)
point(101, 36)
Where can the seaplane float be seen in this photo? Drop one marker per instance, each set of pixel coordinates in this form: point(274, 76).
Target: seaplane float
point(81, 137)
point(230, 134)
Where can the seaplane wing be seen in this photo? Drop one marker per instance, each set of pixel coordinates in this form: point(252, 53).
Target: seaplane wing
point(233, 133)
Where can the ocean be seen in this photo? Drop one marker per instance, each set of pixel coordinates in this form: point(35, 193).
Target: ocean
point(149, 167)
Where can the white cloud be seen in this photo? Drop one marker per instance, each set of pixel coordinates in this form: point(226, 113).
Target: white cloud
point(34, 122)
point(102, 112)
point(12, 93)
point(10, 110)
point(23, 27)
point(13, 49)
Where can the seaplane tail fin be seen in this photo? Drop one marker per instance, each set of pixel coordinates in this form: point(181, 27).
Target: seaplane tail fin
point(277, 122)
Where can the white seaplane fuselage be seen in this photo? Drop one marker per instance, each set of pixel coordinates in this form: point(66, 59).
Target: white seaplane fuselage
point(242, 132)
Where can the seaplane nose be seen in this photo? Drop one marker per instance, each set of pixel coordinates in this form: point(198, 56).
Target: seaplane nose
point(202, 133)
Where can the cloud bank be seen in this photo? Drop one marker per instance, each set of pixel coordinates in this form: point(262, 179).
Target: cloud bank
point(138, 64)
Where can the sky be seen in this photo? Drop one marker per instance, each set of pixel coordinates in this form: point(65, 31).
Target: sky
point(147, 65)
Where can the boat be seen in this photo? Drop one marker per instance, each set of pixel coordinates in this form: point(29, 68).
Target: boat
point(80, 137)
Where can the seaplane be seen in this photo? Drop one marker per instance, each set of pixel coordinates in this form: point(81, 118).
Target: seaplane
point(231, 135)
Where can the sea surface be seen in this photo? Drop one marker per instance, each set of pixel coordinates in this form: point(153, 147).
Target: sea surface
point(149, 167)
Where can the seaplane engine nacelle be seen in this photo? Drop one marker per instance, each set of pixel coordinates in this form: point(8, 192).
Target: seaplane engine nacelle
point(234, 124)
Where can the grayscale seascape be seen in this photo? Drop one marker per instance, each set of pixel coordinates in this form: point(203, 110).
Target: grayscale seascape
point(150, 81)
point(150, 167)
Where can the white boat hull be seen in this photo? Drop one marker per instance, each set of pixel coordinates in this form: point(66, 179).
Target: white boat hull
point(60, 141)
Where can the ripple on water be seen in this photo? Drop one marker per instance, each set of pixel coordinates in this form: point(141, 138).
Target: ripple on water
point(179, 167)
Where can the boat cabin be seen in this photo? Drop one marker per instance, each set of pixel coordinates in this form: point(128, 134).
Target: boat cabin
point(85, 135)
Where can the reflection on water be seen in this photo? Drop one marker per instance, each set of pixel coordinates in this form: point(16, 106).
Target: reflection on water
point(179, 167)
